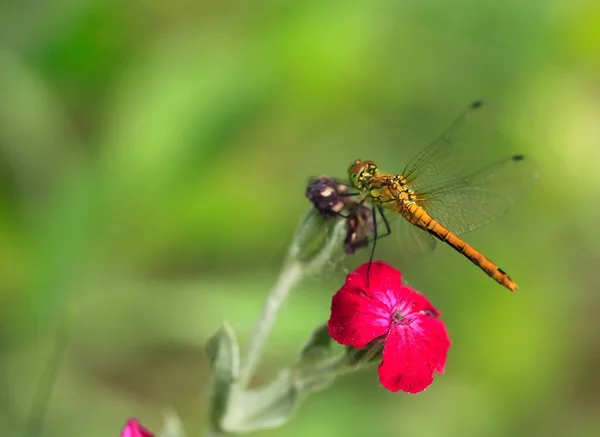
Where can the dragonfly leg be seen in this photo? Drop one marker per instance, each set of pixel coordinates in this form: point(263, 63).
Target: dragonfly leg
point(374, 214)
point(388, 230)
point(354, 209)
point(386, 223)
point(376, 237)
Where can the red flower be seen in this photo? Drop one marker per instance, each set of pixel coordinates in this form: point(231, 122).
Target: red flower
point(415, 341)
point(134, 429)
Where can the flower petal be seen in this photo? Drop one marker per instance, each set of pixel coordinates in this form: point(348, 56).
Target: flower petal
point(384, 283)
point(435, 331)
point(134, 429)
point(356, 319)
point(411, 302)
point(413, 351)
point(360, 312)
point(381, 276)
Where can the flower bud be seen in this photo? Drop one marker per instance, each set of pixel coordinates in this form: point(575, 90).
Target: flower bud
point(315, 235)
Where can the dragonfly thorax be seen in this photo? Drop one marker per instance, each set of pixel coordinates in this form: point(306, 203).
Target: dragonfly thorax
point(360, 173)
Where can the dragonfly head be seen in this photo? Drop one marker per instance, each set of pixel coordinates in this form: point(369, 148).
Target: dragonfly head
point(360, 172)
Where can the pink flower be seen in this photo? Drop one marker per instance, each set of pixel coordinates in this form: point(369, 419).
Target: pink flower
point(134, 429)
point(415, 341)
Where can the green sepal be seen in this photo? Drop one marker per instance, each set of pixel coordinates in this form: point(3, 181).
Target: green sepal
point(368, 354)
point(317, 347)
point(311, 236)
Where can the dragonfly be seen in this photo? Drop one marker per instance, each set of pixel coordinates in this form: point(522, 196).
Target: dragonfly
point(440, 200)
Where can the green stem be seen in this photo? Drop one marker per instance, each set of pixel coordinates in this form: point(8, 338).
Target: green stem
point(299, 263)
point(289, 277)
point(322, 373)
point(337, 365)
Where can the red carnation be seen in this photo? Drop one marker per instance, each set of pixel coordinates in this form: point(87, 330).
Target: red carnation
point(134, 429)
point(415, 341)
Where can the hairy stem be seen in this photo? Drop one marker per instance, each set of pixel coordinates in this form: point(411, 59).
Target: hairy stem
point(289, 277)
point(303, 258)
point(292, 273)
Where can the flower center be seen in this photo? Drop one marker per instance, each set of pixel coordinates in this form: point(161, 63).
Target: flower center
point(397, 316)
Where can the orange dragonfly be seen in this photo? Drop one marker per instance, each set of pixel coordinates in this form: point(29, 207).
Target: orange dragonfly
point(440, 200)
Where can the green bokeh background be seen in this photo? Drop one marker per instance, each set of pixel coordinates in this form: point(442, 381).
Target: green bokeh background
point(153, 161)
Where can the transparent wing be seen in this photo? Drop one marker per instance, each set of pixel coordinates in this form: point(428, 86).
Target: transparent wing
point(471, 201)
point(441, 159)
point(413, 241)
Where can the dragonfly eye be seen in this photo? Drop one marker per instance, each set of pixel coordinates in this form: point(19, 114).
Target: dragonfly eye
point(360, 172)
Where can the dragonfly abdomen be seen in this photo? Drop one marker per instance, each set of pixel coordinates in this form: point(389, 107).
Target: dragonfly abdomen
point(419, 217)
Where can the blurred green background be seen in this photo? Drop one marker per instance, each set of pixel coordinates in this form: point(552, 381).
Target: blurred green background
point(153, 161)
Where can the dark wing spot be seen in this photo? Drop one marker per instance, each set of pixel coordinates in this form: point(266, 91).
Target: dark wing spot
point(518, 157)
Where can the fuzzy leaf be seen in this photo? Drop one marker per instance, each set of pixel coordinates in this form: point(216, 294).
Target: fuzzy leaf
point(172, 426)
point(223, 352)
